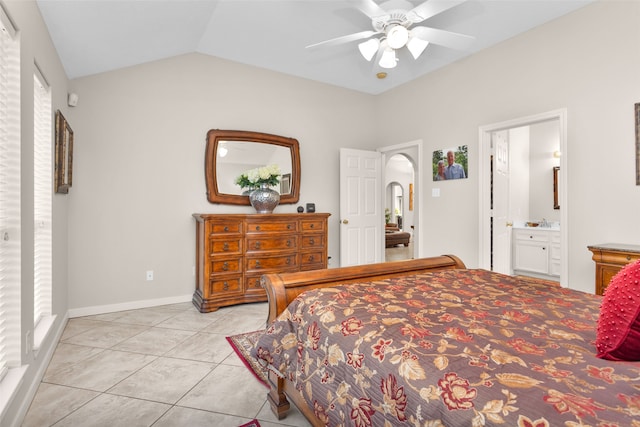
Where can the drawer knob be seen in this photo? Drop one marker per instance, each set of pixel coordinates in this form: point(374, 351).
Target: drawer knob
point(288, 261)
point(288, 226)
point(288, 243)
point(226, 228)
point(312, 225)
point(225, 266)
point(225, 247)
point(258, 244)
point(312, 241)
point(311, 258)
point(225, 286)
point(628, 257)
point(257, 228)
point(258, 263)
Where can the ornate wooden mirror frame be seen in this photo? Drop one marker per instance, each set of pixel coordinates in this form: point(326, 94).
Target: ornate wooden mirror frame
point(221, 171)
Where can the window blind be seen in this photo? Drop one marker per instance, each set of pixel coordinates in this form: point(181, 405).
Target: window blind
point(43, 187)
point(9, 195)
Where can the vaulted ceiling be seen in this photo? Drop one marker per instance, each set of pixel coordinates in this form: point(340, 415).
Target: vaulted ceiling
point(95, 36)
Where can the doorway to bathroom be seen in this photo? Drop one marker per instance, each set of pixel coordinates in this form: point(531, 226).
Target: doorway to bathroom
point(516, 172)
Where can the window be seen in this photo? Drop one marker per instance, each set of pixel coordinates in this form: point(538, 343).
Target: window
point(9, 196)
point(43, 187)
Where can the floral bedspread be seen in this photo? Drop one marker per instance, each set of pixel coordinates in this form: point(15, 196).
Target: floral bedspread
point(451, 348)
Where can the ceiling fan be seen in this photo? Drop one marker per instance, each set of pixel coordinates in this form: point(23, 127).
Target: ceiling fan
point(395, 20)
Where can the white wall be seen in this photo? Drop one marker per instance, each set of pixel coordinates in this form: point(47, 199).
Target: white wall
point(586, 62)
point(545, 140)
point(139, 165)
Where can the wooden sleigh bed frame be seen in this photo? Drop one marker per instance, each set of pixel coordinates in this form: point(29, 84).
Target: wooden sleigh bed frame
point(282, 289)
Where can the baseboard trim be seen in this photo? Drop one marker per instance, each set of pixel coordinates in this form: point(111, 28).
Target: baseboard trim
point(31, 388)
point(130, 305)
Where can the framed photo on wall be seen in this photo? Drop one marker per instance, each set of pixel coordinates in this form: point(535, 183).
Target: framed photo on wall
point(451, 163)
point(64, 155)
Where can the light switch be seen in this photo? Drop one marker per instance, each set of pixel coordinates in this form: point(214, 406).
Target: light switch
point(435, 192)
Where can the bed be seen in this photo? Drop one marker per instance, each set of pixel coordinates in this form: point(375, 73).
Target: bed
point(428, 342)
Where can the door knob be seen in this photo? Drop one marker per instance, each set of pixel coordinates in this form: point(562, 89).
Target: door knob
point(509, 224)
point(345, 221)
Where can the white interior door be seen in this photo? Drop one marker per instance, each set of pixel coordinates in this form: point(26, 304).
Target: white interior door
point(361, 217)
point(501, 220)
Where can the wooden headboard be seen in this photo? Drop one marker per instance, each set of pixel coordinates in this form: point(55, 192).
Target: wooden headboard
point(285, 287)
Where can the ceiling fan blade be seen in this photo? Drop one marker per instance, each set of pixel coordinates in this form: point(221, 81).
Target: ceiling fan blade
point(345, 39)
point(370, 8)
point(443, 38)
point(431, 8)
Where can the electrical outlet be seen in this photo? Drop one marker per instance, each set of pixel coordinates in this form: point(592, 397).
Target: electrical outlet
point(149, 274)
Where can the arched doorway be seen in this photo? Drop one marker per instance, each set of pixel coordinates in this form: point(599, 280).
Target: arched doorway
point(402, 187)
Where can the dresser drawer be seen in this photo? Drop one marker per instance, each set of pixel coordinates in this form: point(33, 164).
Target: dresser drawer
point(262, 226)
point(230, 285)
point(224, 227)
point(619, 258)
point(312, 225)
point(312, 260)
point(226, 246)
point(313, 241)
point(226, 265)
point(269, 263)
point(257, 243)
point(252, 284)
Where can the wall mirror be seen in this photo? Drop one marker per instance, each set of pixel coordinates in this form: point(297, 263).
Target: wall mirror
point(232, 152)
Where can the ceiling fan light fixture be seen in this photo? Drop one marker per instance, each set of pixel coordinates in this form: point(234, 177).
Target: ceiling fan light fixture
point(416, 46)
point(397, 36)
point(369, 48)
point(388, 59)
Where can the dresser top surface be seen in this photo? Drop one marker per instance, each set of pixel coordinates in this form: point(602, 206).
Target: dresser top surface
point(616, 247)
point(262, 216)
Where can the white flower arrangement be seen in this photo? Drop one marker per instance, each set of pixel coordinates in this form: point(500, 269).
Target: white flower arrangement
point(253, 178)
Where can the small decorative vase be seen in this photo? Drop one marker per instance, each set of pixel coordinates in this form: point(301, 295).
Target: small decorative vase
point(264, 199)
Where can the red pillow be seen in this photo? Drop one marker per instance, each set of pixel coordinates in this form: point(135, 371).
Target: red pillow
point(618, 333)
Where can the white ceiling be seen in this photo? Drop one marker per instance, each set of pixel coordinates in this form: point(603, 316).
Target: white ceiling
point(94, 36)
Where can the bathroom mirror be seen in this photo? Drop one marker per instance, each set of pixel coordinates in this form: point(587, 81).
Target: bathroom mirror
point(232, 152)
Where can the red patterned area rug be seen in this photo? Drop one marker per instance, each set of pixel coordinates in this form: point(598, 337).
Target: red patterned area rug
point(252, 423)
point(242, 345)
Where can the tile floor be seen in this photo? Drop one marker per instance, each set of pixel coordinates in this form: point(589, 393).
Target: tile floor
point(163, 366)
point(398, 253)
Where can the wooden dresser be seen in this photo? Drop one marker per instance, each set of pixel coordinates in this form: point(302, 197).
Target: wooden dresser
point(610, 258)
point(233, 251)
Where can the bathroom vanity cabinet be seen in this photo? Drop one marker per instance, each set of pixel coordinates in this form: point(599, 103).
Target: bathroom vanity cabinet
point(536, 251)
